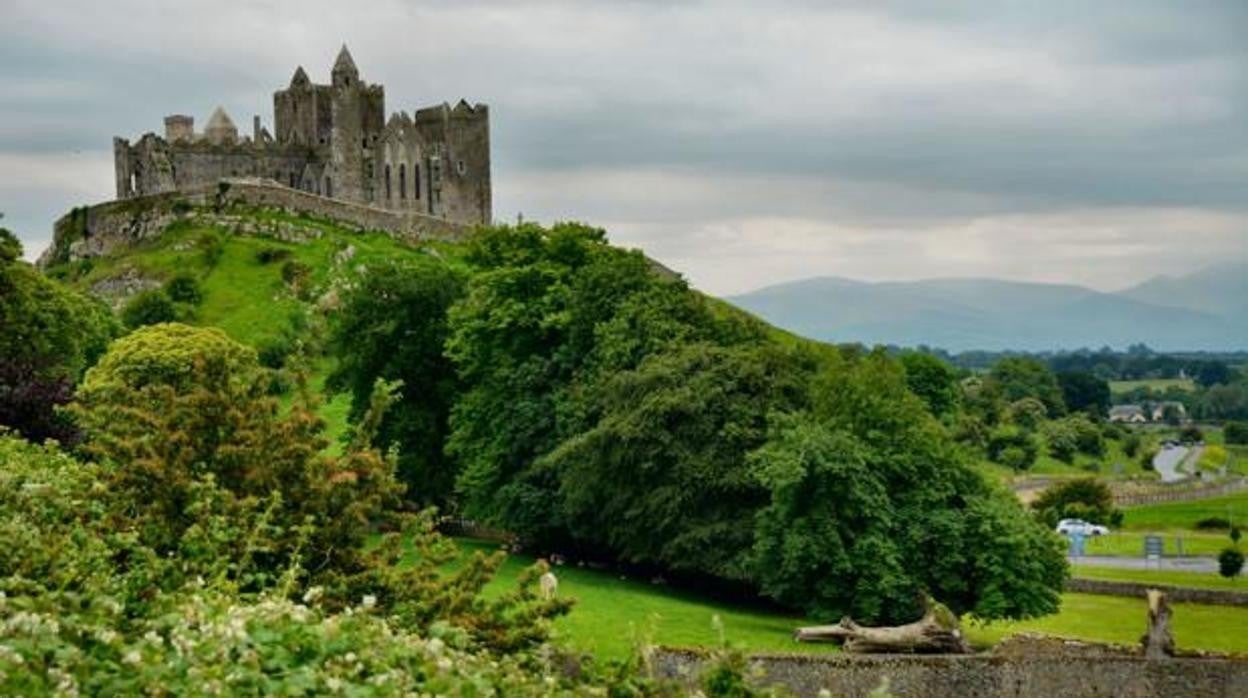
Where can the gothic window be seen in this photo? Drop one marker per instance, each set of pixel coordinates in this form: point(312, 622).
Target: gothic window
point(402, 181)
point(329, 187)
point(415, 181)
point(387, 181)
point(461, 167)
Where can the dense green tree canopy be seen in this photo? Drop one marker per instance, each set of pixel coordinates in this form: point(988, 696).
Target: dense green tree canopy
point(1015, 378)
point(1084, 392)
point(933, 380)
point(393, 326)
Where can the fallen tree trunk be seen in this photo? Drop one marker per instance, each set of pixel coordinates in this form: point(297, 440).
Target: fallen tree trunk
point(936, 632)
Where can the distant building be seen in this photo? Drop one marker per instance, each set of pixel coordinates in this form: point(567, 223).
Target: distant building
point(1130, 414)
point(1164, 410)
point(333, 140)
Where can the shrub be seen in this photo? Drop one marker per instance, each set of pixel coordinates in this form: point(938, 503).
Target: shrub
point(268, 255)
point(1085, 498)
point(1213, 523)
point(1131, 444)
point(149, 307)
point(1230, 562)
point(1027, 413)
point(1236, 433)
point(211, 247)
point(184, 288)
point(1191, 434)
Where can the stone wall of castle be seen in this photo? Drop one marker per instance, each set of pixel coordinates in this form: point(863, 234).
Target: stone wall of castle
point(331, 140)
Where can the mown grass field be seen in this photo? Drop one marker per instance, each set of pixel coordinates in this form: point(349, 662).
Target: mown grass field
point(1199, 580)
point(1154, 384)
point(1184, 515)
point(612, 614)
point(1175, 542)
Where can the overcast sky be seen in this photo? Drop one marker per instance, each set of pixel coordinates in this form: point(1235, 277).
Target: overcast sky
point(743, 143)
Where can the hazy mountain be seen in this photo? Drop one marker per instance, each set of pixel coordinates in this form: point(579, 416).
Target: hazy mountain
point(1221, 289)
point(962, 314)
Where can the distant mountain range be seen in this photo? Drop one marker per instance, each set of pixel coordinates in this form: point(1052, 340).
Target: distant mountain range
point(1206, 310)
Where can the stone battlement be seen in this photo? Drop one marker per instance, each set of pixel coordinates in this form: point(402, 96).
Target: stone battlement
point(332, 140)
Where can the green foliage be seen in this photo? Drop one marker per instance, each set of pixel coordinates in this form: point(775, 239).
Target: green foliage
point(661, 476)
point(1235, 433)
point(1074, 434)
point(10, 247)
point(150, 307)
point(88, 607)
point(184, 288)
point(871, 503)
point(48, 336)
point(1028, 413)
point(211, 247)
point(393, 326)
point(1012, 447)
point(1230, 562)
point(1191, 434)
point(1085, 498)
point(1015, 378)
point(1084, 392)
point(268, 255)
point(933, 380)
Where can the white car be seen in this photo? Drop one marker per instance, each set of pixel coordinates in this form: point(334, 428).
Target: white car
point(1068, 527)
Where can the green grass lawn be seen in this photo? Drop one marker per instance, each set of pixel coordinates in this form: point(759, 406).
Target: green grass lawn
point(1175, 542)
point(611, 612)
point(1121, 620)
point(1177, 515)
point(1199, 580)
point(1154, 384)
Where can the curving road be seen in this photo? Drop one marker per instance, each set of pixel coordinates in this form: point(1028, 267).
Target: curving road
point(1168, 460)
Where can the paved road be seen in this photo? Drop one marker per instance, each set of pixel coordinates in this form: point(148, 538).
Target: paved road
point(1169, 564)
point(1168, 460)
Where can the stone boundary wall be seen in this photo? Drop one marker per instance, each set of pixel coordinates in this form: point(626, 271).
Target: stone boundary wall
point(96, 230)
point(1216, 597)
point(984, 675)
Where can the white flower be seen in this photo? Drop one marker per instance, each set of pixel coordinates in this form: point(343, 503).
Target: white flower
point(153, 637)
point(435, 646)
point(445, 664)
point(132, 657)
point(334, 683)
point(311, 595)
point(369, 601)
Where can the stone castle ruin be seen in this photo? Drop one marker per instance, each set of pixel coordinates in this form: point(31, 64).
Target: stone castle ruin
point(329, 140)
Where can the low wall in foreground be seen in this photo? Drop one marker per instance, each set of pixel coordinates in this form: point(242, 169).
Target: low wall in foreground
point(986, 675)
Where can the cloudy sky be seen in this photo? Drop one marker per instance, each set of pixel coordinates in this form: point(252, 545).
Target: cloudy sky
point(744, 143)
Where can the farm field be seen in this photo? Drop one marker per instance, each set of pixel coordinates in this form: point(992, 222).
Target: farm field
point(1177, 515)
point(1198, 580)
point(1175, 542)
point(1154, 384)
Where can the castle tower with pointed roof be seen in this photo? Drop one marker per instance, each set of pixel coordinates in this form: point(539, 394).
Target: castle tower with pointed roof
point(333, 140)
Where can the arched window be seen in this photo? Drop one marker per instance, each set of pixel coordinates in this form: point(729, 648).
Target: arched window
point(415, 181)
point(402, 180)
point(329, 187)
point(387, 181)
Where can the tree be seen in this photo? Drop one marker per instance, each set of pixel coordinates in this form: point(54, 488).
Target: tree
point(870, 504)
point(393, 326)
point(1015, 378)
point(48, 336)
point(934, 381)
point(1236, 433)
point(1012, 447)
point(170, 405)
point(1210, 373)
point(1230, 562)
point(1084, 498)
point(184, 288)
point(660, 475)
point(1084, 392)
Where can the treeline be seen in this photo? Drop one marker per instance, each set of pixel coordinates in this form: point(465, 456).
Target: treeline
point(563, 390)
point(1136, 363)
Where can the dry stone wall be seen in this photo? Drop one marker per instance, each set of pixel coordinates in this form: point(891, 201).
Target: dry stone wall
point(1011, 675)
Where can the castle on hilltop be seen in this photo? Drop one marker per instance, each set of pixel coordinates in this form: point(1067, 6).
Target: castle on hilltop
point(333, 140)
